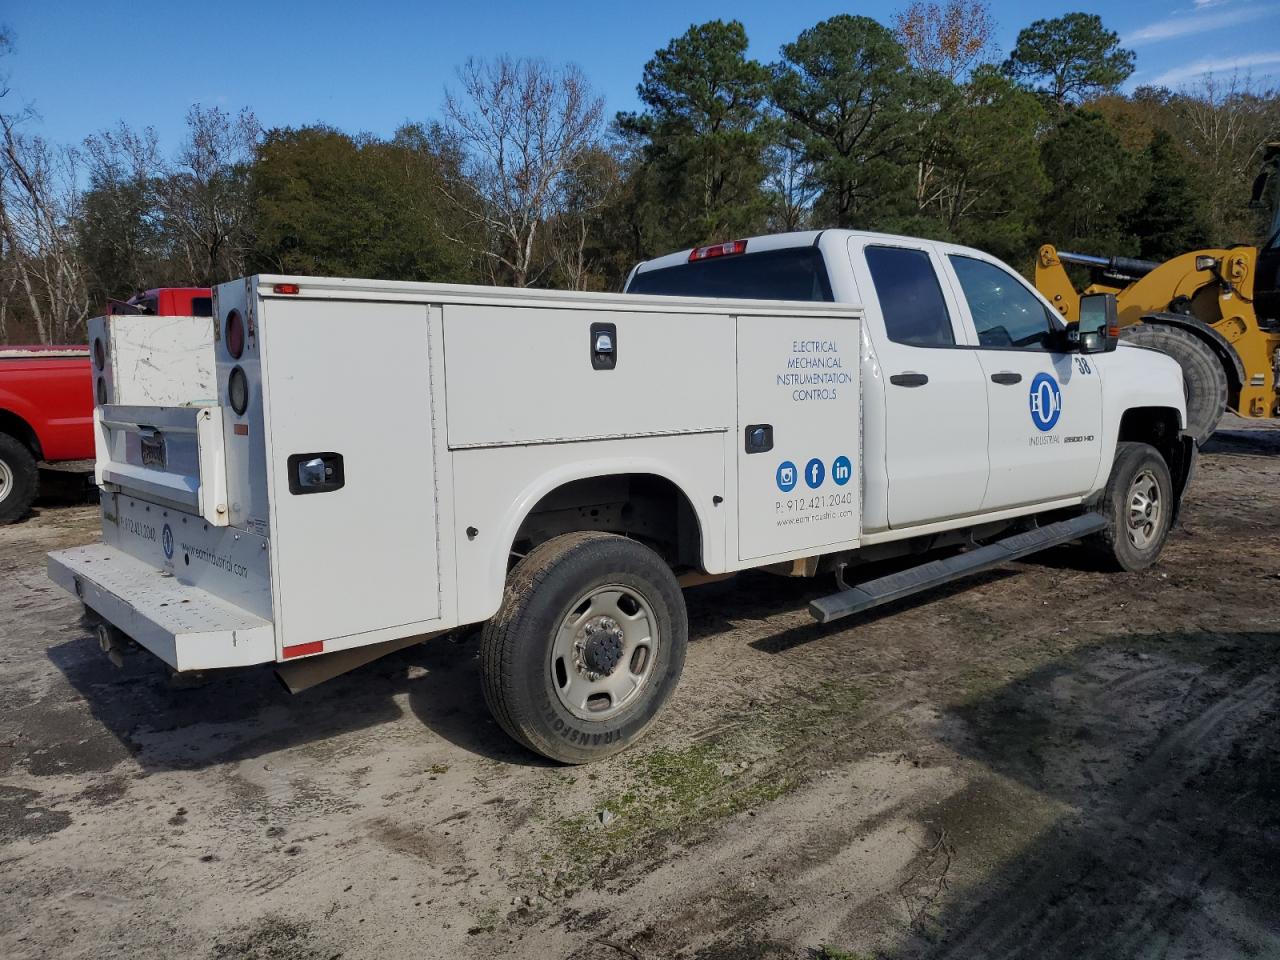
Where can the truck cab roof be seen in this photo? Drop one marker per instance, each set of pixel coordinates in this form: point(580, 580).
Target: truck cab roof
point(810, 265)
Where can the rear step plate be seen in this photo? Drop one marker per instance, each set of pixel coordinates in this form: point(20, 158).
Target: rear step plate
point(938, 572)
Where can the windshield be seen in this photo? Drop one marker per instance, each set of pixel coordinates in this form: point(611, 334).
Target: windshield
point(791, 273)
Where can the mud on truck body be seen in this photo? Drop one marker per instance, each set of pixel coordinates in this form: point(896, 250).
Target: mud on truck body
point(385, 461)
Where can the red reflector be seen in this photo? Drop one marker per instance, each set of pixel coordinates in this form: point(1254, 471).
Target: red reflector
point(302, 649)
point(235, 334)
point(286, 288)
point(718, 250)
point(240, 429)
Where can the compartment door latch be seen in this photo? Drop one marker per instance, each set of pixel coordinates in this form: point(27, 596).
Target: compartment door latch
point(604, 346)
point(316, 473)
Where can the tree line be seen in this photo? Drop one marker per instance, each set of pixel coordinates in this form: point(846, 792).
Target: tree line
point(915, 127)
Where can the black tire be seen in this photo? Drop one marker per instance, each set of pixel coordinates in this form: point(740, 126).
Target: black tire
point(19, 479)
point(1121, 543)
point(518, 647)
point(1204, 380)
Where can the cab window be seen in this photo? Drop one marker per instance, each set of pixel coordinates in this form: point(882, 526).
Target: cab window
point(1005, 313)
point(789, 273)
point(910, 297)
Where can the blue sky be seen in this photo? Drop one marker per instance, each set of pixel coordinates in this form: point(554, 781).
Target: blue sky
point(370, 66)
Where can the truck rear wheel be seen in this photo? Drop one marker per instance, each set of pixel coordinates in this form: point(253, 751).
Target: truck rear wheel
point(1138, 502)
point(587, 647)
point(1204, 381)
point(19, 479)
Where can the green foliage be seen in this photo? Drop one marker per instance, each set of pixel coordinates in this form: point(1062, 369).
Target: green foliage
point(329, 204)
point(990, 181)
point(850, 101)
point(702, 137)
point(1069, 58)
point(1170, 218)
point(1094, 187)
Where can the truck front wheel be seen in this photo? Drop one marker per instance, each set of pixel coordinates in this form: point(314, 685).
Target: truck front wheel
point(19, 479)
point(1138, 502)
point(587, 647)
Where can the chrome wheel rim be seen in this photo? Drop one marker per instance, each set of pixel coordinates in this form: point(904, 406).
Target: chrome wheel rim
point(604, 652)
point(6, 481)
point(1145, 509)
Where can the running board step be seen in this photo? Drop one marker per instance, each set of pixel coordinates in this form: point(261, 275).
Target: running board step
point(937, 572)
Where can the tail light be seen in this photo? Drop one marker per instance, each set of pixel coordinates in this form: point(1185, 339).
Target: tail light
point(99, 353)
point(235, 334)
point(238, 391)
point(718, 250)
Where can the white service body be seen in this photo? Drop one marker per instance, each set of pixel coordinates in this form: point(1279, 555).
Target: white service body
point(454, 409)
point(455, 414)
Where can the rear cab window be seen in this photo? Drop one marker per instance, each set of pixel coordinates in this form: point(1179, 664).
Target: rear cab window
point(787, 273)
point(911, 302)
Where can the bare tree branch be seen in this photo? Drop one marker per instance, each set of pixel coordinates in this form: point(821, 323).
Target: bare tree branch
point(523, 127)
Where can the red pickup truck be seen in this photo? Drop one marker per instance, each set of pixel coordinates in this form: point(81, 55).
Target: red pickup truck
point(46, 413)
point(46, 400)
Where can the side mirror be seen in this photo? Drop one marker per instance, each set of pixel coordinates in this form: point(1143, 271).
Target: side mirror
point(1098, 330)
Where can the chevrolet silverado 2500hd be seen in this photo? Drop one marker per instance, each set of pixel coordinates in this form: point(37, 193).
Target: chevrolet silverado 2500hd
point(385, 460)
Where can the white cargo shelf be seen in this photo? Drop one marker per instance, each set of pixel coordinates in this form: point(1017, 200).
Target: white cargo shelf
point(186, 627)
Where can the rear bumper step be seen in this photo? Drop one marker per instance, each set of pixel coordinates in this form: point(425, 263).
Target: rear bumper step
point(938, 572)
point(186, 627)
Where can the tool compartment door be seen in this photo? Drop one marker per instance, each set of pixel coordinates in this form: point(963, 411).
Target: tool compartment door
point(351, 380)
point(798, 380)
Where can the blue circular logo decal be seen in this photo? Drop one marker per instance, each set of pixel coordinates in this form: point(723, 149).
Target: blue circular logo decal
point(841, 470)
point(815, 471)
point(787, 476)
point(1046, 401)
point(166, 539)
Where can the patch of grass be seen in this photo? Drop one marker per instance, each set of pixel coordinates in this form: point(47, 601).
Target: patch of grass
point(271, 938)
point(834, 953)
point(669, 790)
point(978, 681)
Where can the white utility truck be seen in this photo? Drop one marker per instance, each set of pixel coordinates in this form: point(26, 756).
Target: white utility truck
point(384, 461)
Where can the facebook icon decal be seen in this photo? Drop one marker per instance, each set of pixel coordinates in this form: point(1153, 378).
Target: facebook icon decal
point(841, 470)
point(814, 473)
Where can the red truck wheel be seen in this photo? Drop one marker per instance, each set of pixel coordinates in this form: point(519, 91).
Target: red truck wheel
point(19, 479)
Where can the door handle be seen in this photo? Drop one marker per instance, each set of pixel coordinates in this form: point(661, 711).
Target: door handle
point(1006, 377)
point(909, 379)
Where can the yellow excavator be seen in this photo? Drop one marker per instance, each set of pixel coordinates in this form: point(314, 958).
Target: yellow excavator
point(1216, 312)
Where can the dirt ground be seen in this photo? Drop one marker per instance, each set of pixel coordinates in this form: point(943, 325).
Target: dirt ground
point(1047, 761)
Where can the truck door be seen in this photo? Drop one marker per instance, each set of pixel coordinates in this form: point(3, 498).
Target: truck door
point(1046, 406)
point(935, 400)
